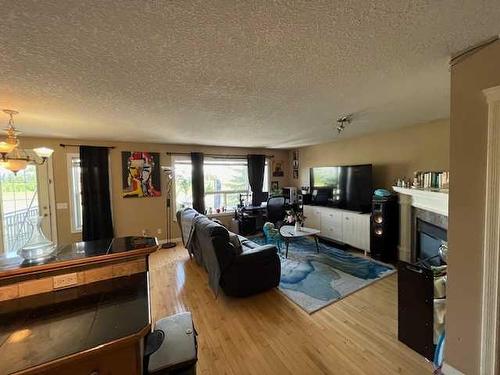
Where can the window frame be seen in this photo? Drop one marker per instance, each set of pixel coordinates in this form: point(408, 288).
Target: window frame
point(72, 201)
point(221, 161)
point(186, 160)
point(174, 160)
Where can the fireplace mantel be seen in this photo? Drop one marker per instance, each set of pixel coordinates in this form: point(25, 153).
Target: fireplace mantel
point(434, 201)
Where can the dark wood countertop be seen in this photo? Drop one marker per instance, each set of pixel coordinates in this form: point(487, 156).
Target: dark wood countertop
point(39, 329)
point(81, 253)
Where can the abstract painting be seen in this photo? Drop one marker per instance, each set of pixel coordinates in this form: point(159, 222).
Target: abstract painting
point(140, 174)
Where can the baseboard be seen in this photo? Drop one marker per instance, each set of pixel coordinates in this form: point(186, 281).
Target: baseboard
point(449, 370)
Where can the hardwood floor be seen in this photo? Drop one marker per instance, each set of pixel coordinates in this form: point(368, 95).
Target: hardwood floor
point(268, 334)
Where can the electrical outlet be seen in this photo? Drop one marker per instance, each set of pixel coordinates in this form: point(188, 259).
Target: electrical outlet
point(65, 281)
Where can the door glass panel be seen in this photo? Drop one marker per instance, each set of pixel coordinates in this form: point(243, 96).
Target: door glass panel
point(19, 202)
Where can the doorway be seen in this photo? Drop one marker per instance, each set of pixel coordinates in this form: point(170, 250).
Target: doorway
point(24, 196)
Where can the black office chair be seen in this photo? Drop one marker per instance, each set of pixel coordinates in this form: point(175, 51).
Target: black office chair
point(276, 210)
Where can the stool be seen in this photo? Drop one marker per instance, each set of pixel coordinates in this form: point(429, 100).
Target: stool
point(178, 352)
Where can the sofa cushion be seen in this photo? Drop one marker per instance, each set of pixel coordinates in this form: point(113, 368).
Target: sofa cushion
point(247, 245)
point(185, 218)
point(235, 241)
point(213, 240)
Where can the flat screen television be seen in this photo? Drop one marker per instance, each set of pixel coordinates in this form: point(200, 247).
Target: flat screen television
point(350, 185)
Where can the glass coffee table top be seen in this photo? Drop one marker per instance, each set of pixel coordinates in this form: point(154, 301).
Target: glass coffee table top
point(288, 233)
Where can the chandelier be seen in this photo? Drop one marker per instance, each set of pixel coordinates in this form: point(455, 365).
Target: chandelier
point(342, 121)
point(12, 156)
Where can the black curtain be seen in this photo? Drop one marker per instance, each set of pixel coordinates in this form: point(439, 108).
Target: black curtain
point(256, 166)
point(96, 201)
point(197, 181)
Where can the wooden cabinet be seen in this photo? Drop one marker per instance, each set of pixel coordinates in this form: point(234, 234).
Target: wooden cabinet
point(124, 359)
point(349, 227)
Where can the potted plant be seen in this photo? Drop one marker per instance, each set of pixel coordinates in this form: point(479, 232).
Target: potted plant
point(297, 217)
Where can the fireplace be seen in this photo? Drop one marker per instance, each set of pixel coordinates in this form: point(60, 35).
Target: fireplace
point(428, 234)
point(428, 239)
point(421, 290)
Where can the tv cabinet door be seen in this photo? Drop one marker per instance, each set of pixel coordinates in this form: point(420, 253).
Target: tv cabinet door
point(349, 228)
point(363, 231)
point(331, 224)
point(313, 217)
point(356, 230)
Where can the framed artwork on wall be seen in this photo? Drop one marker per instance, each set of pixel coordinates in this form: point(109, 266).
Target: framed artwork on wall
point(275, 185)
point(278, 168)
point(295, 164)
point(140, 174)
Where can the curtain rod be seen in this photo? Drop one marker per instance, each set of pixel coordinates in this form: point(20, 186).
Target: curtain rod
point(74, 145)
point(216, 155)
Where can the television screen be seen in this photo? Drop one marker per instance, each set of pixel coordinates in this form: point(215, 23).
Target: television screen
point(351, 186)
point(326, 176)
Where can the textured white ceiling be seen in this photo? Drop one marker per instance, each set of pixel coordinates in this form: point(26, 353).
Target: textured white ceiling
point(242, 73)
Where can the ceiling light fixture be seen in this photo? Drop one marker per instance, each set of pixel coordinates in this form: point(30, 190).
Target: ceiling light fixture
point(342, 122)
point(13, 157)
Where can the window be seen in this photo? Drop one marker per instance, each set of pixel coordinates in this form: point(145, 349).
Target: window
point(183, 188)
point(225, 180)
point(75, 192)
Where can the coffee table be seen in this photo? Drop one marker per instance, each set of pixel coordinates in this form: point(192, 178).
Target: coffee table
point(288, 233)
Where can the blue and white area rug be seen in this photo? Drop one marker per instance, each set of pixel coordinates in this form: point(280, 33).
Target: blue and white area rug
point(313, 280)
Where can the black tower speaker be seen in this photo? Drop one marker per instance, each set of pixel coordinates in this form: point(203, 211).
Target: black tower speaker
point(384, 231)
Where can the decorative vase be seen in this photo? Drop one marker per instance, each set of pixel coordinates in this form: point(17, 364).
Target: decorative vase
point(297, 226)
point(39, 247)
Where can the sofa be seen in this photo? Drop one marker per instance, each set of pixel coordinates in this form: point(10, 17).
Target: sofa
point(235, 264)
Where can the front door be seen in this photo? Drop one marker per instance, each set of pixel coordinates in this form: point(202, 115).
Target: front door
point(23, 196)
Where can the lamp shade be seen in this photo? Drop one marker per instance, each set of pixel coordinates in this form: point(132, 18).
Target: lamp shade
point(43, 152)
point(14, 165)
point(6, 147)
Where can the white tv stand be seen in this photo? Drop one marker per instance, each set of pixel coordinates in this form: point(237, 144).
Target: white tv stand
point(344, 226)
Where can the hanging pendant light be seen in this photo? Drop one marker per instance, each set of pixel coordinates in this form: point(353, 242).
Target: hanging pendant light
point(11, 141)
point(12, 157)
point(15, 162)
